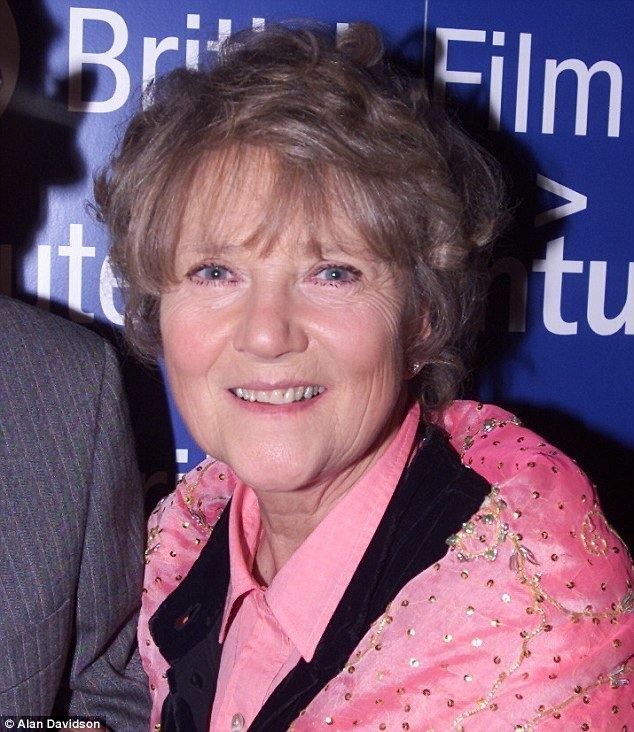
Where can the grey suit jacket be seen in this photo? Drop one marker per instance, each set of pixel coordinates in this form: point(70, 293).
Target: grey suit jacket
point(70, 526)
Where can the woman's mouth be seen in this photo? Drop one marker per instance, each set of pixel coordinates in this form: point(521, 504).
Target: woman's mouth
point(278, 396)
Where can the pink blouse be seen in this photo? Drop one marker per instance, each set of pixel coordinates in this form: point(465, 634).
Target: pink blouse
point(265, 630)
point(526, 623)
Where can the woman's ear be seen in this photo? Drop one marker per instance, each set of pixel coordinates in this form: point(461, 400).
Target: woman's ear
point(419, 331)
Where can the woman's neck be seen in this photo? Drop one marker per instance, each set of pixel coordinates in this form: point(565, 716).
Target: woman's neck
point(287, 520)
point(289, 517)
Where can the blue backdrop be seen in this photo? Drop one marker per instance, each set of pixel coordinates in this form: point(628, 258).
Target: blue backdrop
point(546, 85)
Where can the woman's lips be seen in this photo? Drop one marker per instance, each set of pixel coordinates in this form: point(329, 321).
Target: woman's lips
point(277, 402)
point(278, 396)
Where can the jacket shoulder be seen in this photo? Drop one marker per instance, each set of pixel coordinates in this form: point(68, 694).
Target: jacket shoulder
point(547, 505)
point(31, 334)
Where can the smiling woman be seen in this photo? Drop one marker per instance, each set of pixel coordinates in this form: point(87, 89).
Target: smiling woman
point(300, 235)
point(270, 321)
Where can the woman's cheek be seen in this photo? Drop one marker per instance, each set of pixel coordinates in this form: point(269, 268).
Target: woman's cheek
point(187, 333)
point(373, 334)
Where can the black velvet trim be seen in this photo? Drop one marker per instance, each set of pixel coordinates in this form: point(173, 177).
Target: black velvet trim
point(185, 628)
point(434, 497)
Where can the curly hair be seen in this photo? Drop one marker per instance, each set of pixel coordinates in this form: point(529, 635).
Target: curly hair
point(341, 126)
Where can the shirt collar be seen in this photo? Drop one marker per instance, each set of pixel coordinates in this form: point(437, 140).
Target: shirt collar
point(305, 593)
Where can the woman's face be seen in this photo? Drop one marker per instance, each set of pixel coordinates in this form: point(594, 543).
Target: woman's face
point(287, 366)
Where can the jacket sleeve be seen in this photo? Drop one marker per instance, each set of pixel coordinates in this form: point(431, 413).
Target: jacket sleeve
point(106, 681)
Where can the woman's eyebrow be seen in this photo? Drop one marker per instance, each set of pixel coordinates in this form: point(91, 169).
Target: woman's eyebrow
point(336, 246)
point(210, 248)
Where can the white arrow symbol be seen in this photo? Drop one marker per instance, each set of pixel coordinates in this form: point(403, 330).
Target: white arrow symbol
point(575, 201)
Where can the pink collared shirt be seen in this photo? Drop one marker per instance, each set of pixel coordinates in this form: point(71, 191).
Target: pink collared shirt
point(266, 630)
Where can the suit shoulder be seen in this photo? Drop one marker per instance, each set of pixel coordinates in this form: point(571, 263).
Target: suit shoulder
point(29, 335)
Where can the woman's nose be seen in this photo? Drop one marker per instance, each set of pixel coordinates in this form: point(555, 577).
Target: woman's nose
point(269, 326)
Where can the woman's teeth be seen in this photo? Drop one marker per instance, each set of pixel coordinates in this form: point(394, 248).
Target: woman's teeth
point(279, 396)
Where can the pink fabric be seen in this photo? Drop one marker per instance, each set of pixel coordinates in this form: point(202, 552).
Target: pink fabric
point(268, 632)
point(526, 623)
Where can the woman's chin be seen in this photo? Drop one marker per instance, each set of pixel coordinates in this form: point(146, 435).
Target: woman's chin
point(272, 472)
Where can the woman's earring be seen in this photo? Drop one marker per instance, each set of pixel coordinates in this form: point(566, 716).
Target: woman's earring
point(414, 368)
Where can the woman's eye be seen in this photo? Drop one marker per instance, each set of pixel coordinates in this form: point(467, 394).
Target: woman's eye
point(213, 273)
point(335, 274)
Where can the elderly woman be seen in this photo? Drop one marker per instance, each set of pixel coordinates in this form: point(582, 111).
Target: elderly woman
point(299, 233)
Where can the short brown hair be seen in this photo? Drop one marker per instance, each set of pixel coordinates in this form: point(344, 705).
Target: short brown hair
point(340, 124)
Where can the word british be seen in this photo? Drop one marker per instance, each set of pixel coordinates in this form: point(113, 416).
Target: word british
point(87, 29)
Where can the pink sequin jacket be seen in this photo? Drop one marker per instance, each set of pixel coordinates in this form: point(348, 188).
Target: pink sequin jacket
point(525, 623)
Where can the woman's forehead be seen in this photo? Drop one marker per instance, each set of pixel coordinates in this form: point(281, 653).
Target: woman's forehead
point(245, 201)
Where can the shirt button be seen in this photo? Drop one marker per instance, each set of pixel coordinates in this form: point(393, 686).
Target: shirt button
point(237, 722)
